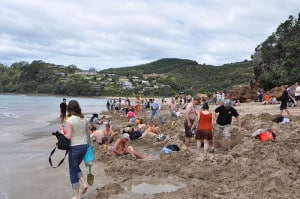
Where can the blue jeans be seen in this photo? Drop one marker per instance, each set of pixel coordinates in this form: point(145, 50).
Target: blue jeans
point(155, 111)
point(76, 154)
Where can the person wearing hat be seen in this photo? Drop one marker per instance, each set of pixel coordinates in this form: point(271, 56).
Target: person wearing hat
point(190, 116)
point(121, 149)
point(223, 117)
point(205, 128)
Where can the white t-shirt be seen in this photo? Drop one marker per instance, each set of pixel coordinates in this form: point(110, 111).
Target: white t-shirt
point(297, 91)
point(79, 130)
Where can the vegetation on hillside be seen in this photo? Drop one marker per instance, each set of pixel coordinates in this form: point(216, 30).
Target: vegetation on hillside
point(173, 76)
point(277, 59)
point(188, 75)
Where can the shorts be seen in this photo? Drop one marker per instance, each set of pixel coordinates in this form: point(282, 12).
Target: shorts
point(283, 106)
point(203, 135)
point(297, 98)
point(225, 129)
point(187, 130)
point(62, 115)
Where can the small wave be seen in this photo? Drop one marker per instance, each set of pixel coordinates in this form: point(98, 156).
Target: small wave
point(5, 115)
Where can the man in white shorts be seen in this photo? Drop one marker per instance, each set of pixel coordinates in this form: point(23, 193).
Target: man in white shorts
point(223, 115)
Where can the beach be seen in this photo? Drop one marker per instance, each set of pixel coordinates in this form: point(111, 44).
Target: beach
point(252, 169)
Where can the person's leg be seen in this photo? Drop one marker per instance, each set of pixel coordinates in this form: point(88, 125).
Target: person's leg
point(160, 117)
point(288, 112)
point(227, 135)
point(187, 142)
point(134, 153)
point(199, 142)
point(206, 145)
point(151, 115)
point(147, 133)
point(187, 134)
point(75, 157)
point(218, 130)
point(84, 185)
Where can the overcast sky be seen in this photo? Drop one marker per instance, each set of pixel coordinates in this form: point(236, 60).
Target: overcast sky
point(103, 34)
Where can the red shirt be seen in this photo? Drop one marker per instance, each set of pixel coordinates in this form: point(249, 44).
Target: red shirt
point(205, 121)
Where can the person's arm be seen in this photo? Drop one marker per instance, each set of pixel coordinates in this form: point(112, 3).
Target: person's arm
point(238, 119)
point(117, 147)
point(187, 116)
point(214, 118)
point(69, 131)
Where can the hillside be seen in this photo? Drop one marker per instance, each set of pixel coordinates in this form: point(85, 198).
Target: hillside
point(186, 75)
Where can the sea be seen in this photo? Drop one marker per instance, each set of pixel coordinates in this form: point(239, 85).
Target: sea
point(26, 140)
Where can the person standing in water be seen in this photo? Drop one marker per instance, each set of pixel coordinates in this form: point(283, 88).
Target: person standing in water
point(63, 111)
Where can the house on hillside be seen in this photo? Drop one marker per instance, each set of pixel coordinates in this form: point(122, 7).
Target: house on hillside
point(126, 85)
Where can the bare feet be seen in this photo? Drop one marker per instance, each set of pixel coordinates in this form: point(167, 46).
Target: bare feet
point(84, 189)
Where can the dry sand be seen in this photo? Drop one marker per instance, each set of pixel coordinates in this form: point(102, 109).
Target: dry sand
point(251, 170)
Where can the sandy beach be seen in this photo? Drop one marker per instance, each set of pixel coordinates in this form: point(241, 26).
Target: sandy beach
point(252, 169)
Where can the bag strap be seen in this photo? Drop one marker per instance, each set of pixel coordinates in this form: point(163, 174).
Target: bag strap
point(88, 138)
point(50, 160)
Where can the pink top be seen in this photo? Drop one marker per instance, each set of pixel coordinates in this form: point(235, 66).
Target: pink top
point(130, 114)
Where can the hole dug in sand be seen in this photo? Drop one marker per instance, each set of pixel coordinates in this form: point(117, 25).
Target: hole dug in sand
point(153, 185)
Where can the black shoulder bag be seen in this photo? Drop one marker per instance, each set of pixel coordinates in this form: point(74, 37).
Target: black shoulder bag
point(63, 143)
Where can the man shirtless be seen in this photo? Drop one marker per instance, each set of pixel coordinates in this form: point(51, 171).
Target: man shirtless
point(109, 133)
point(152, 130)
point(121, 149)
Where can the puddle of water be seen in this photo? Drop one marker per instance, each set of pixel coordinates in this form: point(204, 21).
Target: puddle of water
point(153, 186)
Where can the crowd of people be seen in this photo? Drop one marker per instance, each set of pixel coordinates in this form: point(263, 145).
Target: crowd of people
point(205, 126)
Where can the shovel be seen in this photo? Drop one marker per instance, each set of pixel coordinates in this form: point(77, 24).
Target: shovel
point(90, 176)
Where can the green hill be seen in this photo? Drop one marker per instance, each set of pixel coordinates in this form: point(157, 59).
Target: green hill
point(186, 75)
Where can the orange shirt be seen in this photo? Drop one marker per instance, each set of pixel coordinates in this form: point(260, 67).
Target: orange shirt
point(205, 121)
point(267, 97)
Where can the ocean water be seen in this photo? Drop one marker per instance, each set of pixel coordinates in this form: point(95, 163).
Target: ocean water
point(26, 126)
point(33, 113)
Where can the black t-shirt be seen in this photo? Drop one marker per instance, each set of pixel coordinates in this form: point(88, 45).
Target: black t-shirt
point(225, 115)
point(63, 107)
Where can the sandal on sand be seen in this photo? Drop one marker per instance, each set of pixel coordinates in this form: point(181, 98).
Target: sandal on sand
point(211, 150)
point(84, 190)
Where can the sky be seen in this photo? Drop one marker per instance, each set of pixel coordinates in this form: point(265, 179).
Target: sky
point(103, 34)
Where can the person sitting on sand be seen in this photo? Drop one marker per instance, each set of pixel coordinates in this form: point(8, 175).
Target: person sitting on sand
point(131, 115)
point(121, 149)
point(152, 130)
point(173, 107)
point(106, 145)
point(109, 133)
point(102, 122)
point(96, 135)
point(267, 99)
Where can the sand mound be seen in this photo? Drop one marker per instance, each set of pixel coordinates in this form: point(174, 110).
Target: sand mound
point(251, 170)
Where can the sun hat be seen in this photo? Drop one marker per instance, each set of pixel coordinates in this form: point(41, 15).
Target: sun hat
point(227, 103)
point(126, 135)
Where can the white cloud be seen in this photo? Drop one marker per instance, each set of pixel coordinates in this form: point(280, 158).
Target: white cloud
point(118, 33)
